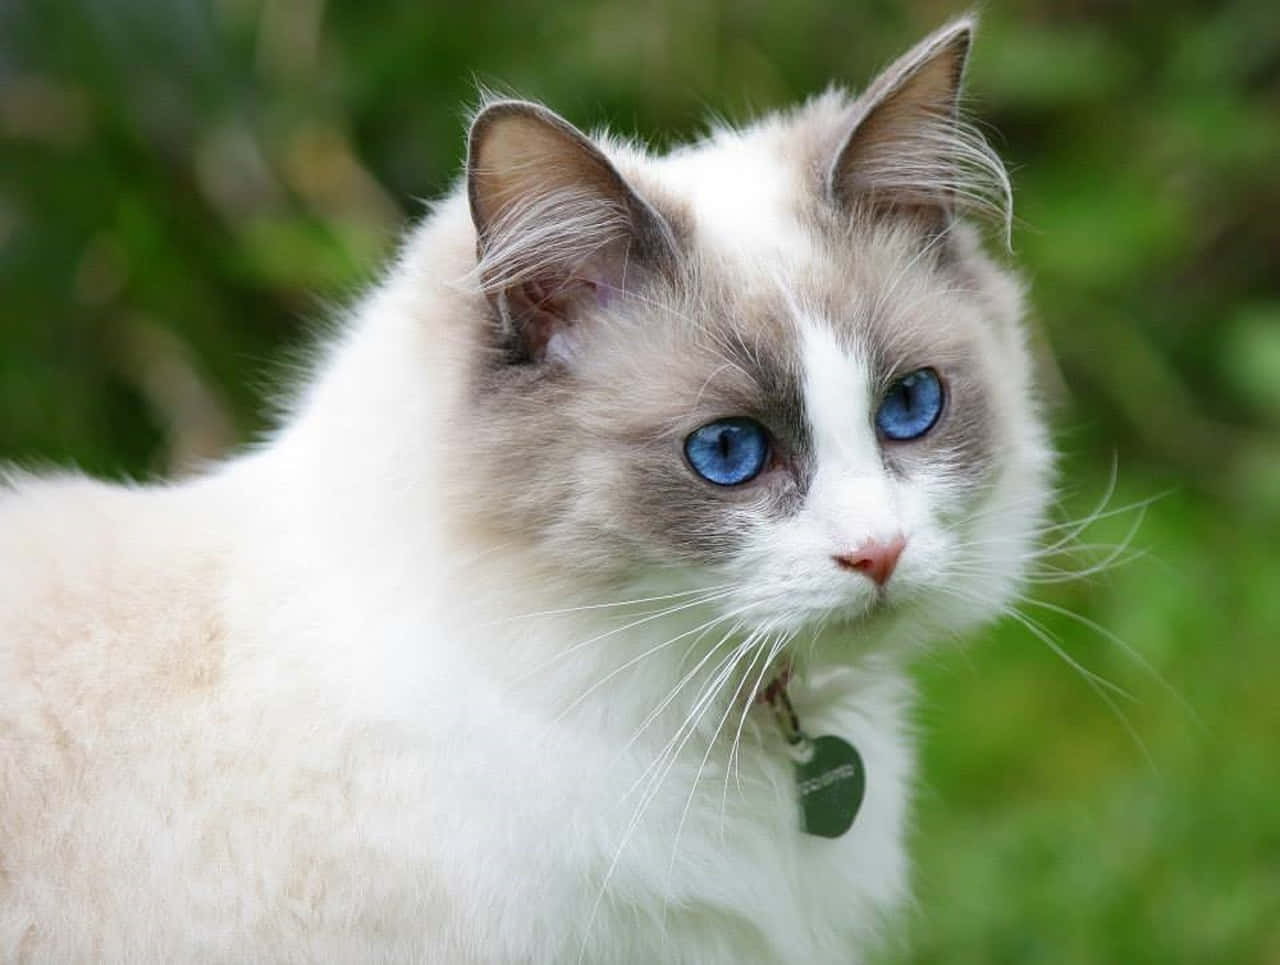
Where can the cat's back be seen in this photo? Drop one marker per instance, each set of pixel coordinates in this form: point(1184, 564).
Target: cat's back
point(178, 777)
point(110, 634)
point(104, 588)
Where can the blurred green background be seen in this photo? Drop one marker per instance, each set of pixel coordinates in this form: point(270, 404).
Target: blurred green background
point(187, 188)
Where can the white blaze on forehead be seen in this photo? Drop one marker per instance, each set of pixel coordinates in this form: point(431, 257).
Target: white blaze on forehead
point(851, 492)
point(741, 197)
point(837, 398)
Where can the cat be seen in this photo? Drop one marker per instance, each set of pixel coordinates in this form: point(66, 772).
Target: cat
point(634, 480)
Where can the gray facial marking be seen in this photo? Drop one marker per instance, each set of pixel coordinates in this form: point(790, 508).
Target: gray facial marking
point(589, 456)
point(584, 455)
point(902, 311)
point(740, 359)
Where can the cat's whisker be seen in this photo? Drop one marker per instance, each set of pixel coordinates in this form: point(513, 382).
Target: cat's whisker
point(1140, 511)
point(1040, 553)
point(1054, 575)
point(772, 648)
point(1108, 492)
point(702, 389)
point(720, 675)
point(1082, 560)
point(1064, 544)
point(638, 658)
point(1095, 682)
point(653, 788)
point(702, 601)
point(1045, 571)
point(1074, 527)
point(703, 694)
point(702, 765)
point(813, 638)
point(1130, 651)
point(675, 691)
point(1104, 689)
point(1032, 506)
point(671, 752)
point(1041, 632)
point(734, 757)
point(610, 605)
point(707, 694)
point(1040, 571)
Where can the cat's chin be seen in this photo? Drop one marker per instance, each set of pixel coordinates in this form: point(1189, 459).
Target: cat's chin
point(828, 652)
point(886, 626)
point(861, 616)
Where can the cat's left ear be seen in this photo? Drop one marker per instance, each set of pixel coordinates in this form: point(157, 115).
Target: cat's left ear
point(906, 154)
point(558, 229)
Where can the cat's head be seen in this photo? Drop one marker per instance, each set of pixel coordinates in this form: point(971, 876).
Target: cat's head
point(775, 361)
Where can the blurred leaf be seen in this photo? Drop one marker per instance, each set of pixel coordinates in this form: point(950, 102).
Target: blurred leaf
point(1251, 357)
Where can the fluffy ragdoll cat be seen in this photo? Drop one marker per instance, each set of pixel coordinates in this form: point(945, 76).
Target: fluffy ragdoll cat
point(469, 662)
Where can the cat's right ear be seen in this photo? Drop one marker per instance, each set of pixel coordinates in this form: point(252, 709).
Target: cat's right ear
point(558, 228)
point(908, 154)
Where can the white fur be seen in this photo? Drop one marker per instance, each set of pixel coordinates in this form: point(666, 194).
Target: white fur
point(745, 205)
point(290, 711)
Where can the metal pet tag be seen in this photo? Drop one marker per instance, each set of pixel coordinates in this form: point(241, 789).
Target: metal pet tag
point(830, 778)
point(830, 784)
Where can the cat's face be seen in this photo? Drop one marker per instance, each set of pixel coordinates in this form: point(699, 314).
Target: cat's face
point(761, 364)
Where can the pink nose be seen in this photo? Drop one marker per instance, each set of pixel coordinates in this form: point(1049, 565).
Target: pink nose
point(874, 559)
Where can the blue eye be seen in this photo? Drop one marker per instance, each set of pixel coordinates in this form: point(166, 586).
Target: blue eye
point(911, 406)
point(728, 452)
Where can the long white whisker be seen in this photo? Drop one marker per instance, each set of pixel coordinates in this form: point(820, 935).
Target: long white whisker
point(605, 606)
point(702, 765)
point(1097, 683)
point(655, 784)
point(1039, 630)
point(1130, 651)
point(666, 701)
point(639, 657)
point(734, 756)
point(707, 694)
point(701, 601)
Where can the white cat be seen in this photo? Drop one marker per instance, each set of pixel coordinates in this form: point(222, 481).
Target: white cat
point(469, 662)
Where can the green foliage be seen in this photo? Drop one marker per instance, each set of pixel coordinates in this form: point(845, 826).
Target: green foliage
point(186, 188)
